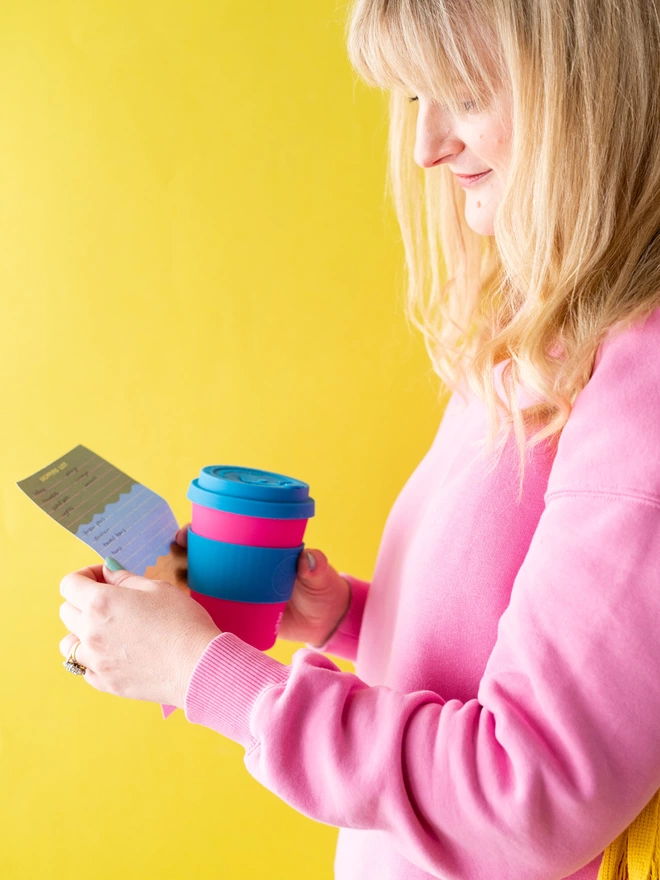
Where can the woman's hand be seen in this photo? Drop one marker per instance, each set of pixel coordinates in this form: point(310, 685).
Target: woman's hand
point(140, 638)
point(319, 600)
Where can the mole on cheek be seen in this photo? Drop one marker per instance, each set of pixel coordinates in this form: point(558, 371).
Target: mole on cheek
point(478, 204)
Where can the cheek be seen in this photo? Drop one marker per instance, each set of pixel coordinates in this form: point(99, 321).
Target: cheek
point(492, 149)
point(491, 144)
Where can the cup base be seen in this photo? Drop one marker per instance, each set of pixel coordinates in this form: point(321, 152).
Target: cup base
point(254, 622)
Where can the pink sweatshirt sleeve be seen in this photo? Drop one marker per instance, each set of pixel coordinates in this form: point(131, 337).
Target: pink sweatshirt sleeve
point(560, 750)
point(343, 641)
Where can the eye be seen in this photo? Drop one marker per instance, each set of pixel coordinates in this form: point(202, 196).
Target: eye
point(468, 105)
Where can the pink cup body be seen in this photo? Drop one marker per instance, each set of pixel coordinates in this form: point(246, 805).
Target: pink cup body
point(255, 623)
point(256, 531)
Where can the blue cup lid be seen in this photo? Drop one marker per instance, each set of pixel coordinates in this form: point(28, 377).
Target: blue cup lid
point(251, 492)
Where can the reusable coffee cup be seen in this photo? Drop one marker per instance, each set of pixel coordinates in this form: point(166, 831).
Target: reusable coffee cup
point(244, 542)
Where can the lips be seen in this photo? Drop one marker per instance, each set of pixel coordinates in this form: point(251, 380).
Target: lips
point(467, 180)
point(473, 176)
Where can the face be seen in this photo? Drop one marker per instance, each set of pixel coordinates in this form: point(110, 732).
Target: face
point(472, 142)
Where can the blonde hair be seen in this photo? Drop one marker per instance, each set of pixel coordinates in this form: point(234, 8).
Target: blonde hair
point(576, 244)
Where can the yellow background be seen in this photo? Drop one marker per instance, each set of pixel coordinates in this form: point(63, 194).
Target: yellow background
point(198, 266)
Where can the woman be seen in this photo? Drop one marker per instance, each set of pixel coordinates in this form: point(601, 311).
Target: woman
point(503, 719)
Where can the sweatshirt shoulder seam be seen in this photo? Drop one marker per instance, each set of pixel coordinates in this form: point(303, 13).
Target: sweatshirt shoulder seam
point(634, 497)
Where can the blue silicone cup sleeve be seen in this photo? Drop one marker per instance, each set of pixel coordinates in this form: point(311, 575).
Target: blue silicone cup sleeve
point(240, 572)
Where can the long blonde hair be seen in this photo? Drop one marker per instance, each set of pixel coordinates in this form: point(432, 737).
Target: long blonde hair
point(576, 244)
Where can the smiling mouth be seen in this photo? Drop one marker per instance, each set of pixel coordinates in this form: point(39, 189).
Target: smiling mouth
point(474, 176)
point(471, 179)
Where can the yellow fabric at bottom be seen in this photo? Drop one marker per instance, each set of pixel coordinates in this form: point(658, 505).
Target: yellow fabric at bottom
point(635, 854)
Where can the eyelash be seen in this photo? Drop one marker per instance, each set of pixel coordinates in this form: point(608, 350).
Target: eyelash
point(467, 104)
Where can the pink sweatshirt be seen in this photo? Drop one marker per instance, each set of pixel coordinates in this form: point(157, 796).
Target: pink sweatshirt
point(503, 721)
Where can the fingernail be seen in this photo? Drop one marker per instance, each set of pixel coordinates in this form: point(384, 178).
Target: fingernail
point(311, 560)
point(112, 564)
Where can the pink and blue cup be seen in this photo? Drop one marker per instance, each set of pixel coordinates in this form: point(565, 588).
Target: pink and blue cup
point(243, 547)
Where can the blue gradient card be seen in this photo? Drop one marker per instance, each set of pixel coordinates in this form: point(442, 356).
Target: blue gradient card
point(113, 514)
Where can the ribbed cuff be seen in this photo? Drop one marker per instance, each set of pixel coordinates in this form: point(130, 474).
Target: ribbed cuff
point(226, 683)
point(344, 640)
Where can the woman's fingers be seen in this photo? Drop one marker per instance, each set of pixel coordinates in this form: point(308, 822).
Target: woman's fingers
point(181, 536)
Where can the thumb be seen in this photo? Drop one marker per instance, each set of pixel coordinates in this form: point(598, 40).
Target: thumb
point(310, 563)
point(115, 574)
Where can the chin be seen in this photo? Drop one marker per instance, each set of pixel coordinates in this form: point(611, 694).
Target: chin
point(481, 225)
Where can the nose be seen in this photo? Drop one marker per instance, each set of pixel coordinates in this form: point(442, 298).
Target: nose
point(435, 140)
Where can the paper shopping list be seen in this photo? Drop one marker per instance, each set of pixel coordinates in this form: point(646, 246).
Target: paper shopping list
point(112, 513)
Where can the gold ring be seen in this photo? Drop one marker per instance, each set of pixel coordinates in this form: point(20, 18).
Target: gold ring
point(71, 664)
point(72, 652)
